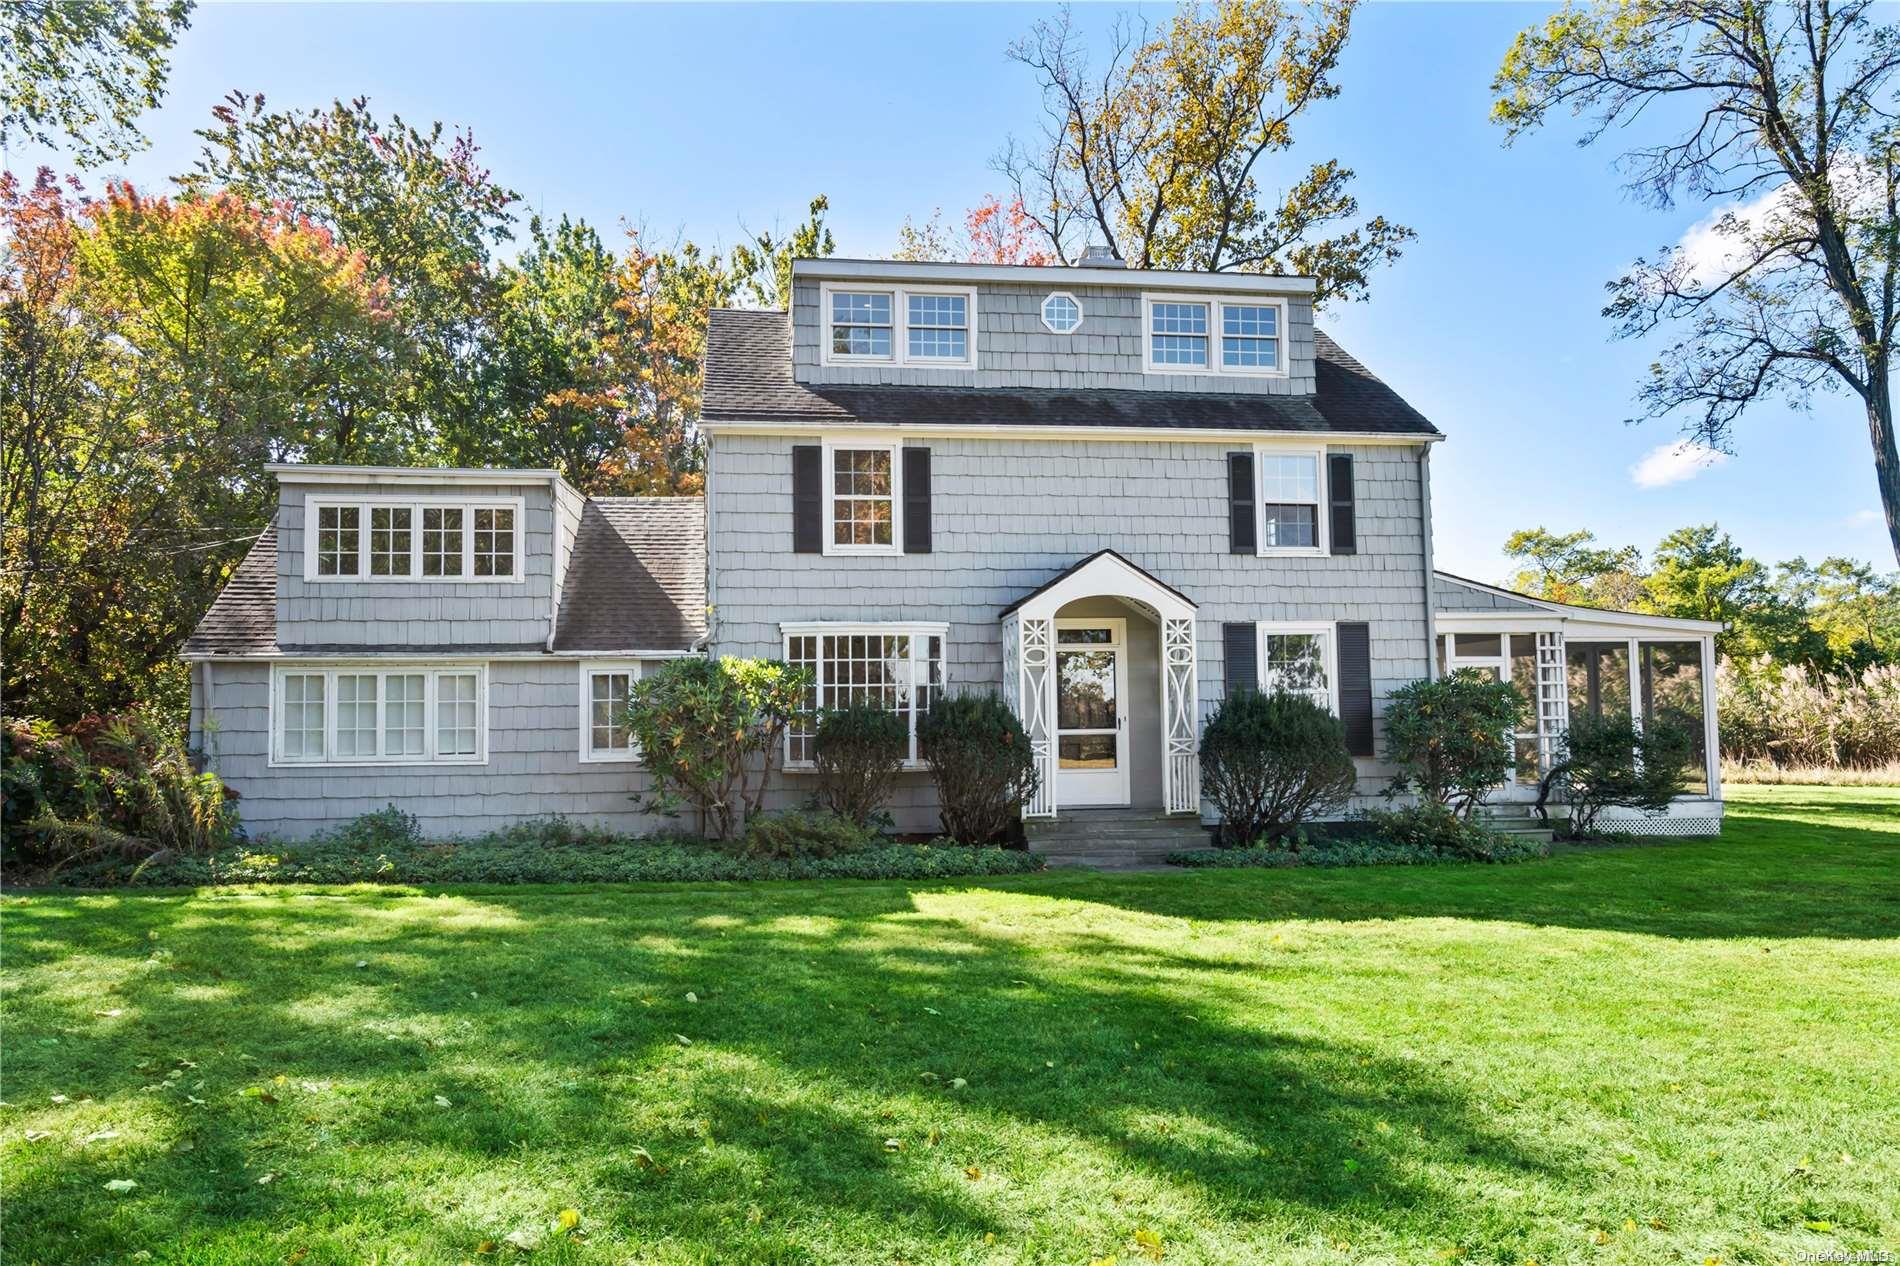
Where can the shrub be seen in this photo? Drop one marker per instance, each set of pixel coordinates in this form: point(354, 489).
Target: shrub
point(1350, 852)
point(859, 751)
point(1611, 762)
point(121, 785)
point(800, 833)
point(1432, 827)
point(712, 732)
point(1451, 738)
point(980, 758)
point(1787, 716)
point(1270, 762)
point(385, 829)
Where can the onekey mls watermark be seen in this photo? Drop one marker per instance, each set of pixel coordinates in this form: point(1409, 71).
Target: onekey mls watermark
point(1859, 1256)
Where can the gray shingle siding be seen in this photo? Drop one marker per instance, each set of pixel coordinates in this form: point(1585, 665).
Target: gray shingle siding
point(1015, 349)
point(416, 613)
point(534, 767)
point(1009, 514)
point(1453, 594)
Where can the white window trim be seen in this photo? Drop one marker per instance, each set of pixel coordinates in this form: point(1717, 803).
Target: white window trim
point(1081, 313)
point(919, 634)
point(900, 326)
point(1329, 647)
point(1214, 368)
point(430, 671)
point(365, 502)
point(834, 444)
point(1322, 514)
point(590, 669)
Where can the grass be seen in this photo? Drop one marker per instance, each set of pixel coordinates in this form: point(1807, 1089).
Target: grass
point(1627, 1055)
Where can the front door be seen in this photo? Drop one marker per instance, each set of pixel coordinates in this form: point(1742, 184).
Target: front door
point(1091, 712)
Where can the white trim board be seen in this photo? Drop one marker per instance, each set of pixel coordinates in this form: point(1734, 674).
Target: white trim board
point(1055, 275)
point(1153, 434)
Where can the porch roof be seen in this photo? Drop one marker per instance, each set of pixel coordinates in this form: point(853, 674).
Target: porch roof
point(1490, 607)
point(1104, 572)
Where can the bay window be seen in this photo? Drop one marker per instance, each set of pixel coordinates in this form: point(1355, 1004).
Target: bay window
point(895, 667)
point(391, 538)
point(378, 716)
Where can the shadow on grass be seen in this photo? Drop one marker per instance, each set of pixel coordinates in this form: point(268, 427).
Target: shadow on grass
point(816, 1082)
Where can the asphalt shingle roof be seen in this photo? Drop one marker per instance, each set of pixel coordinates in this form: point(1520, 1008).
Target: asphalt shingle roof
point(637, 577)
point(748, 366)
point(243, 619)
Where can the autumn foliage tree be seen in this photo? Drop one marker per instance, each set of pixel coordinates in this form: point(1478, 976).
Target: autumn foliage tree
point(1159, 152)
point(995, 232)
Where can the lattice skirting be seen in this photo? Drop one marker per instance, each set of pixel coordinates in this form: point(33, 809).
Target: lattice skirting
point(1661, 823)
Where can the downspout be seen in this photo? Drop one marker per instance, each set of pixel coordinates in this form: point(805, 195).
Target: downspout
point(1425, 524)
point(557, 582)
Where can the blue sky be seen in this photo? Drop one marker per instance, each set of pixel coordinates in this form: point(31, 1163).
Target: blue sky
point(698, 119)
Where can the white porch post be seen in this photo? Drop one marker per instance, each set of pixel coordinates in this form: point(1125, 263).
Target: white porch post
point(1180, 706)
point(1035, 693)
point(1711, 724)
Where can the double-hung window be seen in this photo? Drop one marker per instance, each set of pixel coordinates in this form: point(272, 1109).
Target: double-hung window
point(861, 495)
point(1298, 659)
point(606, 696)
point(397, 538)
point(897, 667)
point(1289, 499)
point(406, 715)
point(1208, 334)
point(898, 325)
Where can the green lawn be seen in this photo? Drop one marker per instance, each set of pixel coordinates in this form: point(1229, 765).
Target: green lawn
point(1671, 1053)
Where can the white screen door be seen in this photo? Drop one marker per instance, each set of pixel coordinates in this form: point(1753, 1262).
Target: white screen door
point(1091, 712)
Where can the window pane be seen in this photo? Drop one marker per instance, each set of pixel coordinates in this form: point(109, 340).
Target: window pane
point(1250, 337)
point(863, 512)
point(302, 722)
point(802, 652)
point(1296, 662)
point(1672, 691)
point(442, 541)
point(456, 723)
point(494, 542)
point(355, 715)
point(1060, 313)
point(1289, 477)
point(1179, 333)
point(608, 694)
point(403, 732)
point(391, 533)
point(1085, 690)
point(337, 540)
point(1290, 525)
point(1479, 645)
point(860, 323)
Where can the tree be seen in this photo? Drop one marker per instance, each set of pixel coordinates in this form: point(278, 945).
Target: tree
point(1160, 154)
point(84, 70)
point(1789, 121)
point(1572, 568)
point(764, 260)
point(156, 354)
point(994, 233)
point(1851, 610)
point(419, 206)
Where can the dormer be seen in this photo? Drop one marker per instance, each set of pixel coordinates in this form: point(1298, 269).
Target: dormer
point(1096, 326)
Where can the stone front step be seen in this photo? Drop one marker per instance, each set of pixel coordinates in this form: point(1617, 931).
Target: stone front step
point(1114, 839)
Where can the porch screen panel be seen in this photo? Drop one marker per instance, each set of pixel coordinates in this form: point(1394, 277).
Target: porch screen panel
point(1673, 691)
point(1599, 675)
point(1527, 764)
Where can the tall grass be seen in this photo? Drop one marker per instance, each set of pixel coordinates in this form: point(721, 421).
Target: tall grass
point(1790, 718)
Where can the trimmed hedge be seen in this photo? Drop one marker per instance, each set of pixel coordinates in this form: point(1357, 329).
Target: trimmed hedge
point(535, 854)
point(1330, 853)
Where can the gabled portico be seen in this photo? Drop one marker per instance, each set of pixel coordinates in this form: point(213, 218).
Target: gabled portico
point(1066, 674)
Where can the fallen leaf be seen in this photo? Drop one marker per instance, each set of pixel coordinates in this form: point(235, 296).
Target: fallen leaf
point(120, 1185)
point(1819, 1226)
point(957, 1083)
point(361, 963)
point(488, 1246)
point(682, 1039)
point(1149, 1243)
point(933, 1011)
point(99, 1136)
point(972, 1172)
point(569, 1219)
point(1601, 1237)
point(37, 1136)
point(526, 1239)
point(691, 996)
point(893, 1145)
point(60, 1099)
point(267, 1179)
point(442, 1101)
point(112, 1014)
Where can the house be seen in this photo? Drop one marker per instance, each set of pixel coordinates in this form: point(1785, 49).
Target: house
point(1111, 495)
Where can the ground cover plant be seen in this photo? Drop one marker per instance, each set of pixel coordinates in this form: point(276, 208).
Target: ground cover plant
point(1668, 1053)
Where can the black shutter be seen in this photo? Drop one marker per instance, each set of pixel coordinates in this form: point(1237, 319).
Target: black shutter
point(1355, 687)
point(1339, 492)
point(916, 500)
point(1240, 650)
point(1240, 512)
point(808, 499)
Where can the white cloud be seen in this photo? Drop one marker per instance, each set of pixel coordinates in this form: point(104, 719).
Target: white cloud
point(1865, 518)
point(1673, 463)
point(1722, 241)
